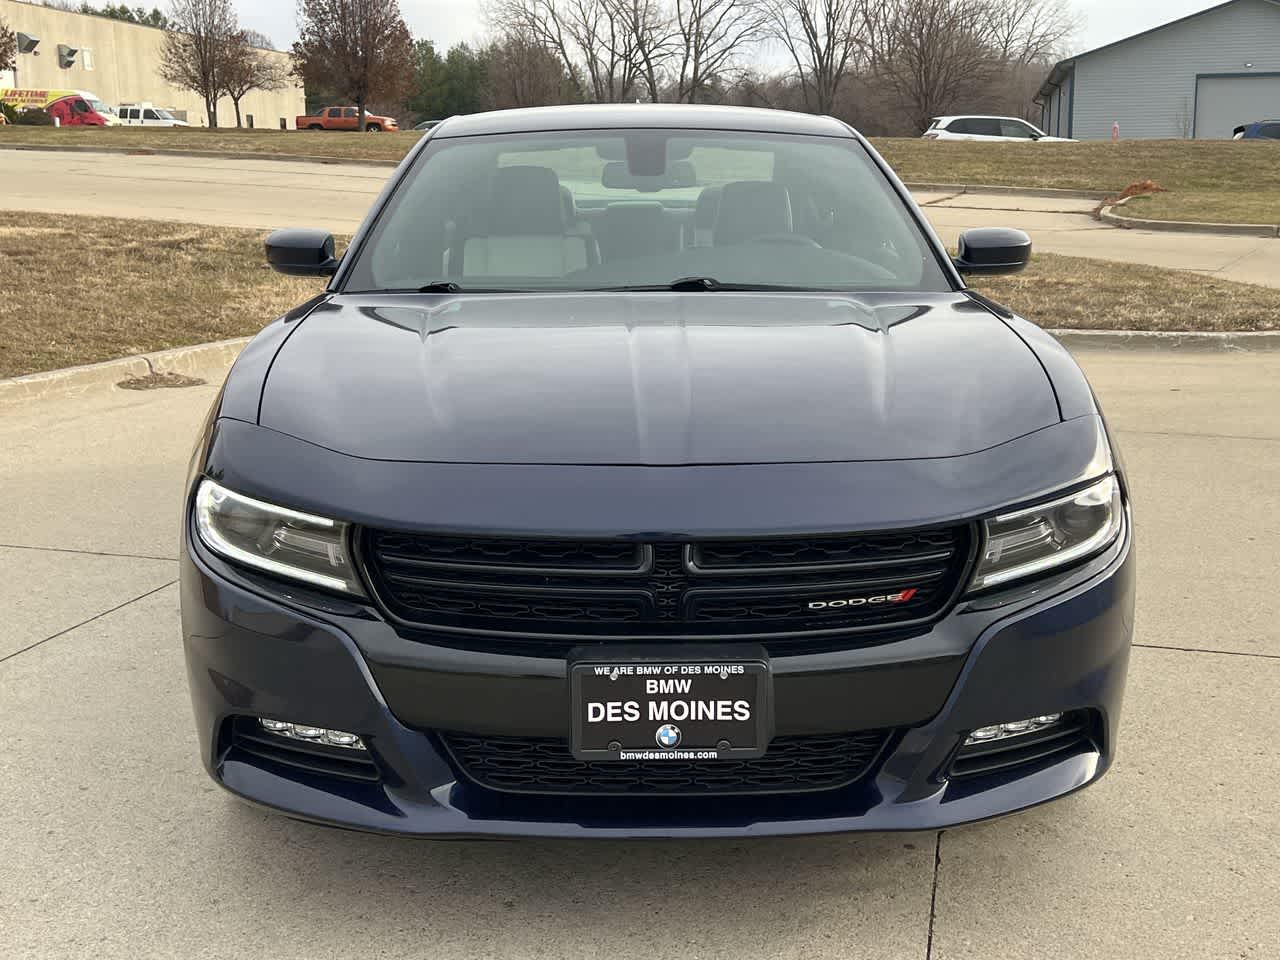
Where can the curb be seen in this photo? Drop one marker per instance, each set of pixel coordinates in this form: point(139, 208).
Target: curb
point(1050, 192)
point(364, 162)
point(1108, 215)
point(208, 359)
point(1186, 340)
point(213, 359)
point(203, 154)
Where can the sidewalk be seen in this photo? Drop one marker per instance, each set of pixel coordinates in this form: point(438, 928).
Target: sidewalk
point(115, 843)
point(264, 194)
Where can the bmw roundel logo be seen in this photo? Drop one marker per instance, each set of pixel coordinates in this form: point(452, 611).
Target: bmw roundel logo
point(668, 735)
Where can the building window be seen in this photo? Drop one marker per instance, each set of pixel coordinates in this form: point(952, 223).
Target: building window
point(86, 58)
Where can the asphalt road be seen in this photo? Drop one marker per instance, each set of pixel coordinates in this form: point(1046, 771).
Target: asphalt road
point(113, 844)
point(265, 194)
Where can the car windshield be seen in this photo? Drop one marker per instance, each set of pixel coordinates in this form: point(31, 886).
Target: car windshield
point(645, 209)
point(99, 106)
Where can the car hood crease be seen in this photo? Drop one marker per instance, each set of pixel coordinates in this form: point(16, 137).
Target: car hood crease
point(655, 378)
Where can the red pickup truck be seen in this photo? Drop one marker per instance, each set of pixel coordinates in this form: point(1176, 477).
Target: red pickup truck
point(344, 118)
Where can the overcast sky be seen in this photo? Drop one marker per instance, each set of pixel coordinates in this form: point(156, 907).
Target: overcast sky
point(449, 21)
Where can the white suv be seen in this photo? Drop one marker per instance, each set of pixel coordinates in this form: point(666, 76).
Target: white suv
point(987, 128)
point(147, 115)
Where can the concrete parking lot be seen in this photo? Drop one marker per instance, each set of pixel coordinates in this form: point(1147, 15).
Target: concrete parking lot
point(114, 844)
point(265, 194)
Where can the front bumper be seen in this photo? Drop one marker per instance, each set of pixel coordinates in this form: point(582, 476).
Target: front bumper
point(257, 649)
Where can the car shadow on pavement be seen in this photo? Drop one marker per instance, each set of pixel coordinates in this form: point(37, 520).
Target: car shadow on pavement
point(529, 892)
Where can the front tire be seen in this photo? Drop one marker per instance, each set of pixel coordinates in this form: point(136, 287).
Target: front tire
point(372, 128)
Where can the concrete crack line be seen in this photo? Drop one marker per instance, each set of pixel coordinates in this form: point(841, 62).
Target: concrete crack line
point(1220, 653)
point(1201, 436)
point(933, 897)
point(96, 616)
point(950, 196)
point(88, 553)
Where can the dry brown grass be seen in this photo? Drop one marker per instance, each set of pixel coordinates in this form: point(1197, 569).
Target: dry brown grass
point(1223, 181)
point(82, 289)
point(1077, 293)
point(340, 145)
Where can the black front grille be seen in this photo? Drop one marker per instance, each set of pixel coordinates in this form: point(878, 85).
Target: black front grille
point(714, 588)
point(545, 766)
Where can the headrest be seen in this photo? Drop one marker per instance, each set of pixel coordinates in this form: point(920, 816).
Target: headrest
point(704, 213)
point(568, 206)
point(750, 209)
point(525, 200)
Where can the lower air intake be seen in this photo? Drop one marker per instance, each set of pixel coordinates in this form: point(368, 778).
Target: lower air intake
point(1072, 733)
point(545, 766)
point(250, 743)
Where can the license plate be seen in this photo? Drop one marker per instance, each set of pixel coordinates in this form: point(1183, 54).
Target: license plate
point(652, 710)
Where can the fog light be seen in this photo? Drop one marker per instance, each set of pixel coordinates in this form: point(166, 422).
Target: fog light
point(303, 731)
point(1013, 728)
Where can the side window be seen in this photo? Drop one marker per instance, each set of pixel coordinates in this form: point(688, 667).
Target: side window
point(79, 106)
point(985, 126)
point(1270, 131)
point(150, 115)
point(349, 113)
point(335, 113)
point(1015, 128)
point(959, 126)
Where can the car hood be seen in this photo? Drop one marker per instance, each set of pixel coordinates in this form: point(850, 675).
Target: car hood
point(656, 379)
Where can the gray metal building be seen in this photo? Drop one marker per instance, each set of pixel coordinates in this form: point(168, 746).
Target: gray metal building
point(1200, 76)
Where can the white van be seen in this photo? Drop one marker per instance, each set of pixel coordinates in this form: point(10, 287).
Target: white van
point(147, 115)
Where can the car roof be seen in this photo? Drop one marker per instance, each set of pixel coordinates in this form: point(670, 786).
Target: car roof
point(978, 116)
point(595, 116)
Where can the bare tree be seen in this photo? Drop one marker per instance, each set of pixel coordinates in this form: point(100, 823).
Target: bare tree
point(822, 38)
point(359, 48)
point(597, 49)
point(197, 47)
point(249, 68)
point(935, 53)
point(710, 35)
point(522, 73)
point(652, 40)
point(8, 47)
point(1029, 31)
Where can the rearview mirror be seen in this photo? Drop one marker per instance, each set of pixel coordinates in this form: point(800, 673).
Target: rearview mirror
point(992, 250)
point(680, 173)
point(302, 252)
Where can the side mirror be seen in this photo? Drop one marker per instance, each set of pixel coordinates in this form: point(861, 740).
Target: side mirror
point(302, 252)
point(992, 250)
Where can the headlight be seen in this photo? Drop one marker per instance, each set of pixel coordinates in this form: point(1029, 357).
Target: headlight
point(1050, 534)
point(290, 544)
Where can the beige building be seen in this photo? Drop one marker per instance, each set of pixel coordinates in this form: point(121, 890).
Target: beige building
point(119, 63)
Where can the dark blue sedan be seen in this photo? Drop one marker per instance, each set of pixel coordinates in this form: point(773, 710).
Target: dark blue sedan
point(1261, 130)
point(650, 471)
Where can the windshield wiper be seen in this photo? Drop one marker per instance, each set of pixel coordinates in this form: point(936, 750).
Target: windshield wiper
point(695, 283)
point(700, 284)
point(440, 286)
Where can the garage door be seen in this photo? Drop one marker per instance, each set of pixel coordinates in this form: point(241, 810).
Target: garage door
point(1224, 103)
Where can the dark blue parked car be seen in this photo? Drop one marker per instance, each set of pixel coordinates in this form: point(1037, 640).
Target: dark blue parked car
point(650, 471)
point(1261, 130)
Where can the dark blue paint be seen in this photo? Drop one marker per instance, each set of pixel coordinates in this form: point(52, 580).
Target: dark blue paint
point(651, 415)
